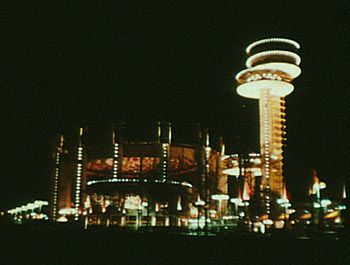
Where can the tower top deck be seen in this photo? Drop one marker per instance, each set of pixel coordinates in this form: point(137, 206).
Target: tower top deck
point(286, 44)
point(272, 63)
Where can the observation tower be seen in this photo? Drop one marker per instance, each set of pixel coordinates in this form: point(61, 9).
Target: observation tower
point(272, 64)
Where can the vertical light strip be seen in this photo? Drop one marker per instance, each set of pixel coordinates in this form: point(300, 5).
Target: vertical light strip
point(78, 177)
point(159, 131)
point(115, 156)
point(265, 142)
point(55, 191)
point(56, 178)
point(165, 154)
point(206, 165)
point(207, 154)
point(276, 152)
point(169, 134)
point(206, 178)
point(115, 160)
point(282, 138)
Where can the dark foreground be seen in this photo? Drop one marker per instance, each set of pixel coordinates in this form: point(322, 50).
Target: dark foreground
point(70, 245)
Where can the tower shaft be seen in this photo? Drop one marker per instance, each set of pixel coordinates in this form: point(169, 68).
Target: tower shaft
point(271, 136)
point(272, 64)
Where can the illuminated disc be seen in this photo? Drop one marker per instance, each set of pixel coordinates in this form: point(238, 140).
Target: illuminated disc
point(271, 54)
point(252, 89)
point(220, 197)
point(231, 171)
point(285, 69)
point(272, 40)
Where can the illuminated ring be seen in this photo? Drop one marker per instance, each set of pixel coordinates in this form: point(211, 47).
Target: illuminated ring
point(268, 54)
point(291, 70)
point(282, 40)
point(264, 74)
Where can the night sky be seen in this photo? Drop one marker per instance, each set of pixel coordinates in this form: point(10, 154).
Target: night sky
point(67, 65)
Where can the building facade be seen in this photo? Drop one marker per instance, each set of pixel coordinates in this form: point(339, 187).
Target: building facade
point(134, 183)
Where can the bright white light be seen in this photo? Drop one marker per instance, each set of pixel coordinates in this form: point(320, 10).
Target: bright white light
point(67, 211)
point(282, 40)
point(279, 224)
point(220, 197)
point(290, 211)
point(41, 203)
point(342, 207)
point(229, 217)
point(282, 201)
point(344, 192)
point(243, 203)
point(257, 171)
point(262, 228)
point(236, 200)
point(184, 183)
point(179, 207)
point(231, 171)
point(62, 219)
point(224, 157)
point(253, 89)
point(337, 220)
point(31, 206)
point(267, 222)
point(316, 205)
point(133, 202)
point(322, 185)
point(199, 202)
point(325, 202)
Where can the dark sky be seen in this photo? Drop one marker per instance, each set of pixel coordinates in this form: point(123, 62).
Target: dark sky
point(71, 64)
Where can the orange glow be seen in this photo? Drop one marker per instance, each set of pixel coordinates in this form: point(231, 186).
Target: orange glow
point(284, 194)
point(305, 216)
point(263, 217)
point(331, 215)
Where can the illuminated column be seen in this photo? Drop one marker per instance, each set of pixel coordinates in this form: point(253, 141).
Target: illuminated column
point(58, 153)
point(115, 156)
point(159, 132)
point(265, 141)
point(272, 64)
point(206, 176)
point(79, 173)
point(165, 154)
point(222, 180)
point(206, 164)
point(165, 151)
point(202, 157)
